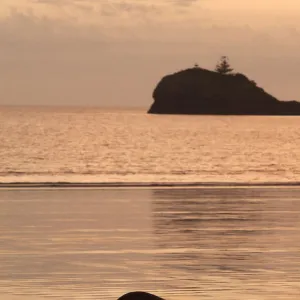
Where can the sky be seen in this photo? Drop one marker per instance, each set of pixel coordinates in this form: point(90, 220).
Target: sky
point(114, 52)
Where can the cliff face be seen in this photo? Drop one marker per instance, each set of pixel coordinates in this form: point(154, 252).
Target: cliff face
point(200, 91)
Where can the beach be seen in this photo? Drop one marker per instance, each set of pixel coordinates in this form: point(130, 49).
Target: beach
point(182, 243)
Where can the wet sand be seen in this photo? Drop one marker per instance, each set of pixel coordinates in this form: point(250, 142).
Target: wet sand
point(183, 243)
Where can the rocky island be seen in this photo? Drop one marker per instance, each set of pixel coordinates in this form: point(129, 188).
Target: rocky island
point(201, 91)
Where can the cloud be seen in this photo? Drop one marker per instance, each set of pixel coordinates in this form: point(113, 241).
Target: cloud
point(72, 50)
point(134, 20)
point(92, 11)
point(183, 2)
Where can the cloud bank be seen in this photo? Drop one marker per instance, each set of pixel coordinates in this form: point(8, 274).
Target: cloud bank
point(114, 52)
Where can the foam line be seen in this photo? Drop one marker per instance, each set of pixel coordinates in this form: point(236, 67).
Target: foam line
point(143, 184)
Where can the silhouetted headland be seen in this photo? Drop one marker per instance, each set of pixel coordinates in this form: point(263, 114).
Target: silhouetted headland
point(200, 91)
point(139, 296)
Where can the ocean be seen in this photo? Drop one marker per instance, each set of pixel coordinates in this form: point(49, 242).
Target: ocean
point(97, 202)
point(94, 145)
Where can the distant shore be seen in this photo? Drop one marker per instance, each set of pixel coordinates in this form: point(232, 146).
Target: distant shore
point(199, 91)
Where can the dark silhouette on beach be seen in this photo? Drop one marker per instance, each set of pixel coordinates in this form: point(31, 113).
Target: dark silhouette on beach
point(201, 91)
point(139, 296)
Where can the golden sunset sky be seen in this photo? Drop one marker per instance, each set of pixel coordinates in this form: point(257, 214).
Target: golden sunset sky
point(113, 52)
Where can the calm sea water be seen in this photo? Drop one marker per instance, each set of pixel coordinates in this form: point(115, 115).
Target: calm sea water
point(181, 243)
point(93, 145)
point(219, 243)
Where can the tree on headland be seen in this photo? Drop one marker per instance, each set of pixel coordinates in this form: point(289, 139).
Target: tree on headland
point(223, 67)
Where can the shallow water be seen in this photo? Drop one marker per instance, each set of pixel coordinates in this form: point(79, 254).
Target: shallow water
point(94, 145)
point(207, 243)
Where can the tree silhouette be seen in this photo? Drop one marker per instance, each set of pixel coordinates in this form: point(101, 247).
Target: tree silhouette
point(223, 67)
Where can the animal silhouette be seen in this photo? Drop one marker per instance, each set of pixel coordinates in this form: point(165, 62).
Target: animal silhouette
point(139, 296)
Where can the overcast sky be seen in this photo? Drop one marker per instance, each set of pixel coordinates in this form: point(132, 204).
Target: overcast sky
point(113, 52)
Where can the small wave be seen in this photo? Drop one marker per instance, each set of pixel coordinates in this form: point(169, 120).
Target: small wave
point(144, 184)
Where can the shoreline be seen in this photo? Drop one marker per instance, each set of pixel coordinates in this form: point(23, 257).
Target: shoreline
point(39, 185)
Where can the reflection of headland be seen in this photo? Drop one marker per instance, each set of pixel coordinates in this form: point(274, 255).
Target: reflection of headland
point(218, 229)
